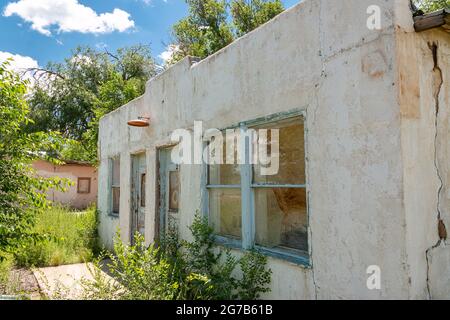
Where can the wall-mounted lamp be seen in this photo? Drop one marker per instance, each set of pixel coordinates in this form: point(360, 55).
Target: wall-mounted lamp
point(140, 122)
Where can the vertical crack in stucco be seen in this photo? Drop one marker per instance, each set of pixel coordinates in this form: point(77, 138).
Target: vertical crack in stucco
point(427, 257)
point(317, 88)
point(437, 84)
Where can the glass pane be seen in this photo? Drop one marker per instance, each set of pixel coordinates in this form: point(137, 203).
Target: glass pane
point(225, 212)
point(115, 200)
point(174, 190)
point(116, 172)
point(143, 190)
point(291, 163)
point(281, 218)
point(228, 171)
point(224, 174)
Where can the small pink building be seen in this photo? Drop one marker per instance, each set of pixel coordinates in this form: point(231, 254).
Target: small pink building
point(84, 176)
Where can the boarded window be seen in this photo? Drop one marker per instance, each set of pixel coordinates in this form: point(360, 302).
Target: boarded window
point(280, 199)
point(115, 185)
point(84, 185)
point(174, 191)
point(115, 200)
point(143, 178)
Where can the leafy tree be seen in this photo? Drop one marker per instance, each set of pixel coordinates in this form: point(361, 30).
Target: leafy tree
point(22, 193)
point(112, 94)
point(66, 92)
point(431, 5)
point(213, 24)
point(204, 31)
point(249, 14)
point(72, 96)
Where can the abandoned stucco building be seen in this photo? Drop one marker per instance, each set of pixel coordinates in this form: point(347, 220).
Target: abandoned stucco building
point(364, 173)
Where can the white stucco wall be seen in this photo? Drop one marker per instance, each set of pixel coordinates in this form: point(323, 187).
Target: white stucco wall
point(318, 57)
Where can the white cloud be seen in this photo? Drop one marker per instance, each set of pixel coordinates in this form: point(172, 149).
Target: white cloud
point(149, 2)
point(20, 64)
point(68, 16)
point(167, 56)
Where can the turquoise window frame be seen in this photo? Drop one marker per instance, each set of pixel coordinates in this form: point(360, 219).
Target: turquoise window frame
point(247, 188)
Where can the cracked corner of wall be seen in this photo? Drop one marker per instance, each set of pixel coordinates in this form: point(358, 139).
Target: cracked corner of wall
point(438, 277)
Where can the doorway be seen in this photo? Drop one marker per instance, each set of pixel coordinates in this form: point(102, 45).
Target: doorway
point(169, 194)
point(138, 198)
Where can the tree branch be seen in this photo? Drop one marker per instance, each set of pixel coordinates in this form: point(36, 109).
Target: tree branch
point(41, 72)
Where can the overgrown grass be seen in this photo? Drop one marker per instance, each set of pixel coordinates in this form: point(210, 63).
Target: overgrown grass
point(178, 270)
point(67, 237)
point(5, 269)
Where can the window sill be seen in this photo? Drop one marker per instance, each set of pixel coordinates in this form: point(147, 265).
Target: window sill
point(296, 258)
point(228, 242)
point(292, 257)
point(113, 215)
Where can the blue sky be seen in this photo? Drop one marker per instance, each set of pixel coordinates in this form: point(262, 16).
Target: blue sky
point(39, 31)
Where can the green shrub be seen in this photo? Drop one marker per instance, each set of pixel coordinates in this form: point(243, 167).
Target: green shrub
point(179, 270)
point(254, 276)
point(66, 237)
point(428, 6)
point(22, 193)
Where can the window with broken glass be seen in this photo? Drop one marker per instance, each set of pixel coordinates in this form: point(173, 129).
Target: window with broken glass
point(262, 202)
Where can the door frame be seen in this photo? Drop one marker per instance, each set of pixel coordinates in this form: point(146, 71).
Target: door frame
point(135, 190)
point(159, 221)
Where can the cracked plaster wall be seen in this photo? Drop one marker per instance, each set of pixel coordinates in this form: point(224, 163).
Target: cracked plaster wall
point(424, 67)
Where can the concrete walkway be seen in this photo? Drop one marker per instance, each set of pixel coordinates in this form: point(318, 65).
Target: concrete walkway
point(63, 282)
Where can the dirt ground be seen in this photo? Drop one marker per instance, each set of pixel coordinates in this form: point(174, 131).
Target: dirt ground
point(22, 283)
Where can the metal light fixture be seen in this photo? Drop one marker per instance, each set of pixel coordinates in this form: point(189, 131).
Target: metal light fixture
point(140, 122)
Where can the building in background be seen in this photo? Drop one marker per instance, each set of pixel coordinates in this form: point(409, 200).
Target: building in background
point(82, 193)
